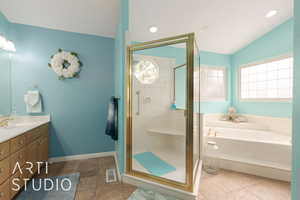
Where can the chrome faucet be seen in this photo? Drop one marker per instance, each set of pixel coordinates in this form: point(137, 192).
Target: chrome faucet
point(4, 122)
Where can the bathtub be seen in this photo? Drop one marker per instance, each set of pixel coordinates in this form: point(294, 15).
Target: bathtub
point(258, 152)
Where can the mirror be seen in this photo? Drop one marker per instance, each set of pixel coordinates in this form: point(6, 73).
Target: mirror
point(5, 74)
point(5, 83)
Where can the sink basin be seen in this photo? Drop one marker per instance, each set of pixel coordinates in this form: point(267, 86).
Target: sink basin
point(12, 125)
point(25, 124)
point(7, 127)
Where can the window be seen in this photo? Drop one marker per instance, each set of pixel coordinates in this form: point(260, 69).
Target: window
point(267, 81)
point(213, 83)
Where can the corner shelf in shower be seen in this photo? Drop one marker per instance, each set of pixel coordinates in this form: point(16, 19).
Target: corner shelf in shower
point(166, 131)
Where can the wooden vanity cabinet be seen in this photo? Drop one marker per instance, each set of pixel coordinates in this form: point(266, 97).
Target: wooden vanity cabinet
point(4, 170)
point(42, 153)
point(32, 156)
point(4, 150)
point(5, 190)
point(32, 147)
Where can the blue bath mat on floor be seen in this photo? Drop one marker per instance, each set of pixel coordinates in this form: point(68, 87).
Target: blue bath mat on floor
point(141, 194)
point(153, 163)
point(54, 194)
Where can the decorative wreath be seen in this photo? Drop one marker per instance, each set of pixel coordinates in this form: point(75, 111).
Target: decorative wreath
point(65, 64)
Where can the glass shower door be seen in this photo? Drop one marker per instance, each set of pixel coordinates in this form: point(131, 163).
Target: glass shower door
point(160, 111)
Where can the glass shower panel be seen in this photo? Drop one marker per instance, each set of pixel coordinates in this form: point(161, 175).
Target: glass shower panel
point(196, 111)
point(158, 124)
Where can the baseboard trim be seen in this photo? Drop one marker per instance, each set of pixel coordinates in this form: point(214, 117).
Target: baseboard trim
point(82, 156)
point(117, 166)
point(257, 170)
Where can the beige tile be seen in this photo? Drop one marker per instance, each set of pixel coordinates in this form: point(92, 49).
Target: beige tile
point(231, 181)
point(236, 181)
point(127, 190)
point(101, 179)
point(107, 162)
point(88, 164)
point(205, 175)
point(86, 183)
point(86, 195)
point(229, 185)
point(272, 190)
point(92, 184)
point(110, 192)
point(210, 190)
point(89, 167)
point(242, 195)
point(62, 168)
point(200, 197)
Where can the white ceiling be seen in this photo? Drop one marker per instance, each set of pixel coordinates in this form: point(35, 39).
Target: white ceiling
point(231, 24)
point(96, 17)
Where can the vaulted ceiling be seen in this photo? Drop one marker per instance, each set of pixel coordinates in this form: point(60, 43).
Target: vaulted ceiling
point(96, 17)
point(221, 26)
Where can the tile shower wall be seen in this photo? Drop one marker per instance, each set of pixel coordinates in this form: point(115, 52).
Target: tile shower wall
point(155, 105)
point(156, 119)
point(207, 59)
point(78, 107)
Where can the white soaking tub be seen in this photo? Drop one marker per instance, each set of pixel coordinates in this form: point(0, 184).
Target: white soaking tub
point(263, 153)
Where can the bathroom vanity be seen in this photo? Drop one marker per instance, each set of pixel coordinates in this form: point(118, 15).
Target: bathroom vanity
point(23, 142)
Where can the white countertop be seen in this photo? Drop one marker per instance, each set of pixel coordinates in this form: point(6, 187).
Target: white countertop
point(20, 125)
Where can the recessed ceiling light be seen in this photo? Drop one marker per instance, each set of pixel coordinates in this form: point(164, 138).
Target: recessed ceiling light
point(153, 29)
point(271, 13)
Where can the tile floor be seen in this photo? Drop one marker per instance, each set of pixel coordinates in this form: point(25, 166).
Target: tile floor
point(92, 184)
point(226, 185)
point(229, 185)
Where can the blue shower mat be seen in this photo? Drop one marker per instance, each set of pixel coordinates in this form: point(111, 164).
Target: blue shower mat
point(154, 164)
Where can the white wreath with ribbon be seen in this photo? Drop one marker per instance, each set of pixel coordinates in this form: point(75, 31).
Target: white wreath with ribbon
point(65, 64)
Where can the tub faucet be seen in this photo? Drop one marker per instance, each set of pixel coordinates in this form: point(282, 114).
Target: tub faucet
point(212, 133)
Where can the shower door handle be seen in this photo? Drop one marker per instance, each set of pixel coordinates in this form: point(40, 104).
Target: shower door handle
point(138, 102)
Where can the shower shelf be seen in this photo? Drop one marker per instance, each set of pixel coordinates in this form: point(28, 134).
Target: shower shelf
point(166, 131)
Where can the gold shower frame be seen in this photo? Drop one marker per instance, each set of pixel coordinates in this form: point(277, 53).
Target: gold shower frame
point(189, 40)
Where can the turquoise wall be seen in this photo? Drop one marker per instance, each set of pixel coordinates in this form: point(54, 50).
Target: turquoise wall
point(78, 107)
point(277, 42)
point(296, 106)
point(120, 47)
point(5, 70)
point(4, 25)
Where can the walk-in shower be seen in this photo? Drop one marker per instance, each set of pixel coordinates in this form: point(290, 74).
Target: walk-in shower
point(163, 126)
